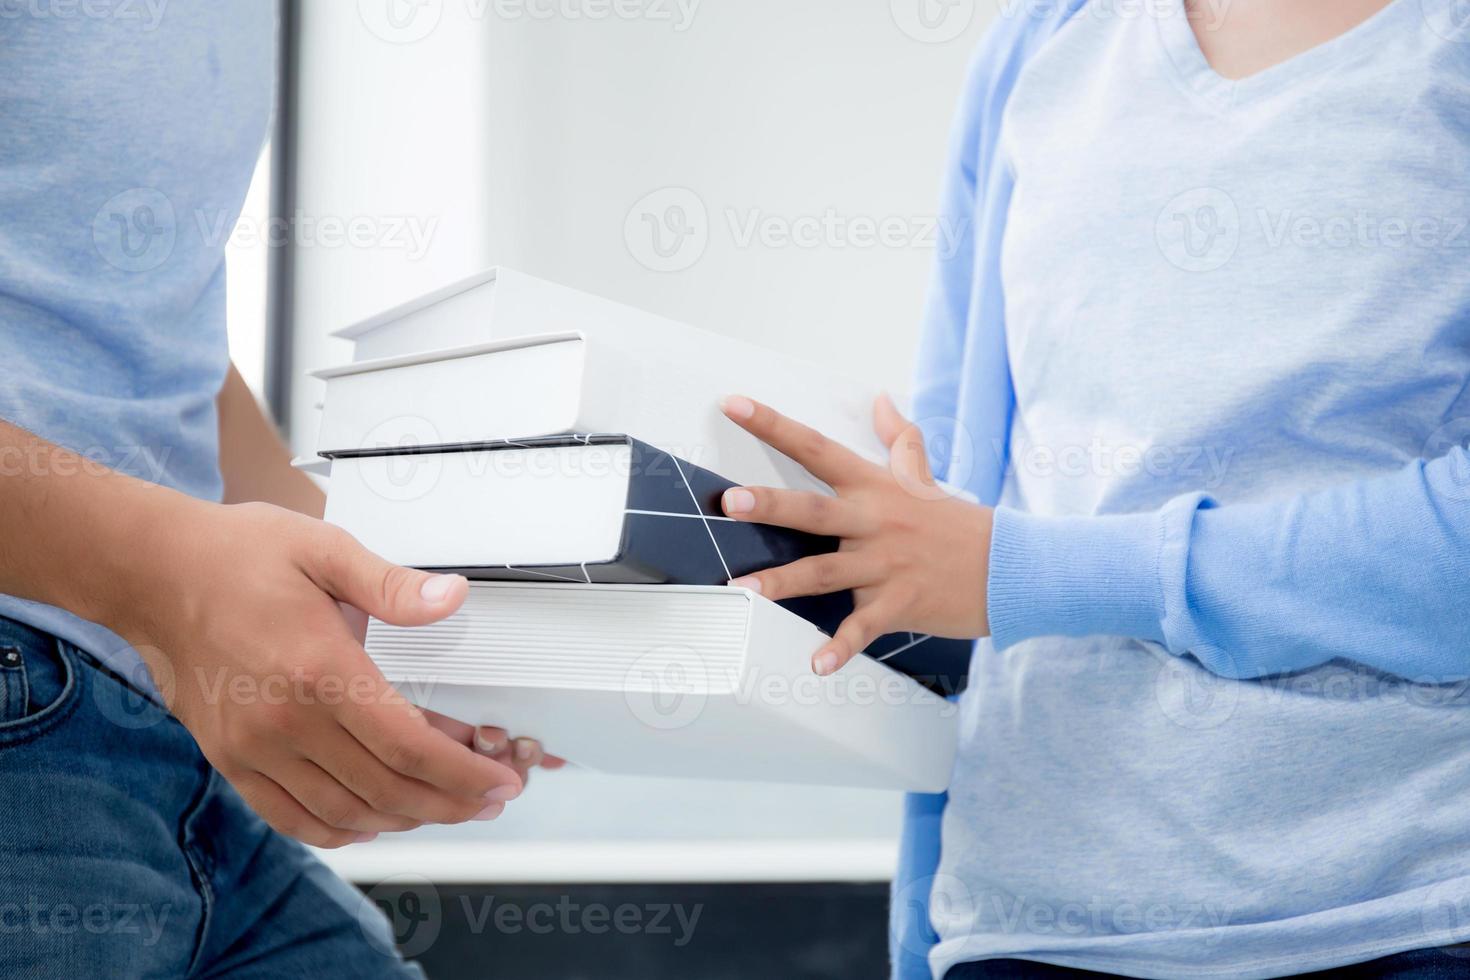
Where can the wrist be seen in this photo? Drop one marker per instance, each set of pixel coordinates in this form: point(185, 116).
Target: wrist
point(139, 562)
point(956, 550)
point(984, 536)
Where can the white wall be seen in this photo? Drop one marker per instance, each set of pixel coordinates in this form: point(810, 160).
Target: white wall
point(247, 265)
point(530, 141)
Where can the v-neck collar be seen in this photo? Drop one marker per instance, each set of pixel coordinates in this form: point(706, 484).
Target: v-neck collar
point(1194, 69)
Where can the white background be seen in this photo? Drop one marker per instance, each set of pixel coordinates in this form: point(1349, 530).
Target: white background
point(526, 133)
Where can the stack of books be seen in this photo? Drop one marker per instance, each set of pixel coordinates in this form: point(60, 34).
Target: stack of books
point(568, 455)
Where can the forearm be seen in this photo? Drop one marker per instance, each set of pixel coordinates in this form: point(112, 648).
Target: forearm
point(250, 598)
point(1372, 571)
point(75, 531)
point(255, 463)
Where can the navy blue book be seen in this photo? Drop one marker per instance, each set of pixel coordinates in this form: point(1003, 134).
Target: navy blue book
point(604, 509)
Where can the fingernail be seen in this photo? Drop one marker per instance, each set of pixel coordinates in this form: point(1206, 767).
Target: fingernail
point(364, 838)
point(748, 582)
point(824, 663)
point(437, 588)
point(738, 406)
point(488, 746)
point(524, 749)
point(739, 501)
point(490, 812)
point(503, 794)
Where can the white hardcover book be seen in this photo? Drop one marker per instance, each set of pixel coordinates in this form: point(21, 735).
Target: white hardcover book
point(506, 356)
point(508, 507)
point(674, 681)
point(533, 388)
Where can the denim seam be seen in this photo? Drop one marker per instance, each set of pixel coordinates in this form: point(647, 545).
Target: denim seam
point(100, 667)
point(31, 727)
point(197, 868)
point(14, 688)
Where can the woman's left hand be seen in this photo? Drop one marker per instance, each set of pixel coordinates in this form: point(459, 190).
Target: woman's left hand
point(915, 556)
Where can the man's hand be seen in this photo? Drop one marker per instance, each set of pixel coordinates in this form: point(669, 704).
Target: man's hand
point(235, 608)
point(915, 557)
point(521, 754)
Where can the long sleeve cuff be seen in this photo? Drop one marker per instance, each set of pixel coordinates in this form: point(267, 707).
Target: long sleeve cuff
point(1079, 576)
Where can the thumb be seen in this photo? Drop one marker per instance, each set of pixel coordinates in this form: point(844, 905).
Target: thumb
point(908, 456)
point(888, 421)
point(394, 594)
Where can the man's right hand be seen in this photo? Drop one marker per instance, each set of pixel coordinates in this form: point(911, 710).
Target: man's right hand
point(235, 609)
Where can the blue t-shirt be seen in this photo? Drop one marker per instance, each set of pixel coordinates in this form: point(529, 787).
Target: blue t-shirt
point(128, 134)
point(1237, 322)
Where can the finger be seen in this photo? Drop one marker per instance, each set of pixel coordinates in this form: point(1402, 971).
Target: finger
point(816, 575)
point(826, 460)
point(852, 638)
point(491, 741)
point(543, 761)
point(507, 756)
point(816, 513)
point(459, 731)
point(333, 803)
point(528, 753)
point(281, 810)
point(402, 738)
point(497, 743)
point(908, 455)
point(525, 754)
point(395, 795)
point(888, 421)
point(347, 571)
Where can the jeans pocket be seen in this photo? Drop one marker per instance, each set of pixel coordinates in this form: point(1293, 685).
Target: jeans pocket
point(38, 680)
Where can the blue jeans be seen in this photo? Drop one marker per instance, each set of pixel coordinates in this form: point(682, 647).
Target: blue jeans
point(124, 854)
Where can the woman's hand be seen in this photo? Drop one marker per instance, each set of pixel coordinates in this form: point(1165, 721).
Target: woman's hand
point(915, 557)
